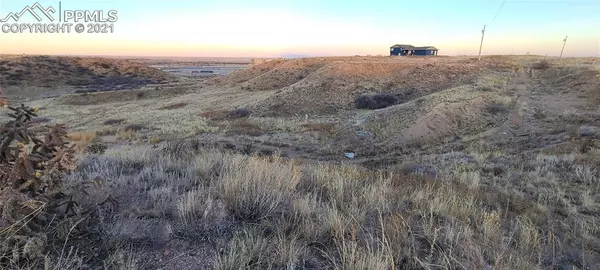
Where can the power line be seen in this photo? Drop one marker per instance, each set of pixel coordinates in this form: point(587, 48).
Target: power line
point(483, 31)
point(499, 9)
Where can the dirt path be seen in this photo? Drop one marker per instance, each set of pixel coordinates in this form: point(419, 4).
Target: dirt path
point(521, 85)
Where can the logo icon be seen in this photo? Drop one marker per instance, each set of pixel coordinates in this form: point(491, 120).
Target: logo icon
point(34, 10)
point(64, 21)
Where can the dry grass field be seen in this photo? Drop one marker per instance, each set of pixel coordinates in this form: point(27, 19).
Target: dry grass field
point(459, 164)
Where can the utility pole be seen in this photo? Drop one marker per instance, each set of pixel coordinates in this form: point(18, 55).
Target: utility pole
point(563, 48)
point(481, 44)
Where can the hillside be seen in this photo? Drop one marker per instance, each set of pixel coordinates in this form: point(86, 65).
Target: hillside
point(50, 73)
point(436, 101)
point(453, 163)
point(328, 85)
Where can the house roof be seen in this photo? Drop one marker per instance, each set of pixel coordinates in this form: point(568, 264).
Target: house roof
point(411, 47)
point(403, 46)
point(430, 48)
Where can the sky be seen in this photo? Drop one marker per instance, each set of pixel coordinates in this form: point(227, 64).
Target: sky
point(270, 28)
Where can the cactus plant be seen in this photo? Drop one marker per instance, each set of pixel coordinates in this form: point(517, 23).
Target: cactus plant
point(32, 191)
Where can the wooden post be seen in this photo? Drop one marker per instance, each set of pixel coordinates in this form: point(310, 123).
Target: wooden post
point(563, 48)
point(481, 44)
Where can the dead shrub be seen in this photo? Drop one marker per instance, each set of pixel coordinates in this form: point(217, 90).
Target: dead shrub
point(107, 132)
point(127, 134)
point(215, 115)
point(497, 108)
point(238, 113)
point(96, 148)
point(363, 102)
point(130, 132)
point(485, 88)
point(174, 106)
point(219, 115)
point(133, 127)
point(538, 113)
point(378, 101)
point(3, 101)
point(114, 122)
point(241, 127)
point(82, 139)
point(319, 127)
point(541, 65)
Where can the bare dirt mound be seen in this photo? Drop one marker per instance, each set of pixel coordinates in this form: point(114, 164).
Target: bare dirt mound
point(329, 85)
point(532, 109)
point(286, 74)
point(449, 120)
point(89, 73)
point(334, 87)
point(237, 77)
point(273, 75)
point(446, 115)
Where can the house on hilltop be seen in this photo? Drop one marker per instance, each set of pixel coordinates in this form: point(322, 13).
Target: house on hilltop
point(400, 49)
point(404, 50)
point(427, 50)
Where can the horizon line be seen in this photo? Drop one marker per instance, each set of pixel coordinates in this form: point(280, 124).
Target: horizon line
point(280, 56)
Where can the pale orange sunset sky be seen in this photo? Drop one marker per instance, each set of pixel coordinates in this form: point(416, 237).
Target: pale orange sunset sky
point(273, 28)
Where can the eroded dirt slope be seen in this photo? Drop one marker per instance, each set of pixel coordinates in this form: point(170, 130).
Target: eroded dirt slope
point(328, 85)
point(553, 110)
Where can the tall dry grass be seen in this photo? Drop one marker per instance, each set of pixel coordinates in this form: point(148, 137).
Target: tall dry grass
point(253, 212)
